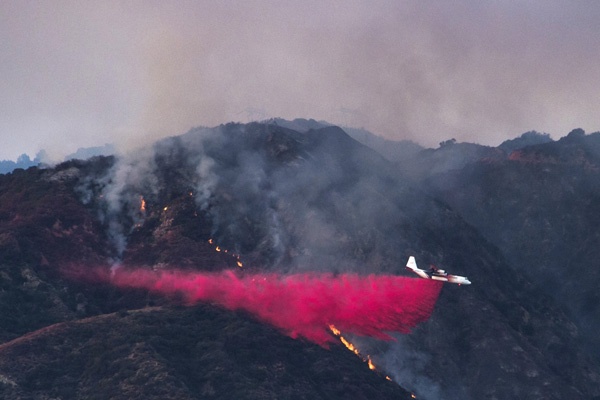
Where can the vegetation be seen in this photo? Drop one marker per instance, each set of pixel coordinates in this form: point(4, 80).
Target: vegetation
point(516, 224)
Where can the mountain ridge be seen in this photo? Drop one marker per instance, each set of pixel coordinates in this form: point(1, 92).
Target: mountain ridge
point(284, 201)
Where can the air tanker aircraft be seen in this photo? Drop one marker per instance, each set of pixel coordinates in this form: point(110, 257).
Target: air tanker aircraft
point(436, 274)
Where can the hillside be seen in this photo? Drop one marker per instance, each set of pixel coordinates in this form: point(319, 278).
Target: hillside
point(180, 353)
point(281, 201)
point(541, 206)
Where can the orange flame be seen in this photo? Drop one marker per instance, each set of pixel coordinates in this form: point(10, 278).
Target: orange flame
point(352, 347)
point(142, 204)
point(334, 330)
point(349, 345)
point(370, 363)
point(219, 249)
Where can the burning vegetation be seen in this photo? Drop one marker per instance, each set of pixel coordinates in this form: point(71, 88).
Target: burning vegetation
point(350, 346)
point(219, 249)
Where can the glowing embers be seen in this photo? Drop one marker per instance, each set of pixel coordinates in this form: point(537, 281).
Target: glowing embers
point(219, 250)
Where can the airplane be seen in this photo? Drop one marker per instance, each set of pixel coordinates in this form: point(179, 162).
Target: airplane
point(436, 274)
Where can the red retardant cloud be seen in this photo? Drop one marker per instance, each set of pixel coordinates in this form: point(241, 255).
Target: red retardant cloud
point(303, 304)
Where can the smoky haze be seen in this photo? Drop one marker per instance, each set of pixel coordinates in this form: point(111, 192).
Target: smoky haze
point(283, 182)
point(313, 208)
point(290, 202)
point(83, 74)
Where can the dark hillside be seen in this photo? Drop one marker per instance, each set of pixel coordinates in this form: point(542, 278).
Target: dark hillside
point(542, 209)
point(42, 225)
point(255, 198)
point(186, 353)
point(319, 200)
point(448, 157)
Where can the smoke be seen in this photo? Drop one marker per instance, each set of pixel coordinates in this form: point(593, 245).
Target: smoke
point(410, 367)
point(428, 71)
point(233, 180)
point(290, 202)
point(268, 191)
point(130, 177)
point(223, 168)
point(118, 194)
point(406, 365)
point(301, 305)
point(208, 181)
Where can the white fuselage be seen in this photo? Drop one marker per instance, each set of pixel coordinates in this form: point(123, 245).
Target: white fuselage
point(438, 275)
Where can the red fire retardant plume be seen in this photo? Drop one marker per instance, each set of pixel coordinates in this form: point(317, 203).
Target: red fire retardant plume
point(304, 304)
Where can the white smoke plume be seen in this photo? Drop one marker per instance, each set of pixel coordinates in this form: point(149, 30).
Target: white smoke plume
point(118, 195)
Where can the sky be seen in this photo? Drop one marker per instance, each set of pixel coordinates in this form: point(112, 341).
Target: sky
point(85, 73)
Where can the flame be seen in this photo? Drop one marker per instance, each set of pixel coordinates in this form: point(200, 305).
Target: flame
point(370, 363)
point(413, 396)
point(142, 204)
point(219, 249)
point(166, 208)
point(351, 347)
point(334, 330)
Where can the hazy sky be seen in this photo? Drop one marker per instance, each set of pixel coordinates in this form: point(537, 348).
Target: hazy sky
point(84, 73)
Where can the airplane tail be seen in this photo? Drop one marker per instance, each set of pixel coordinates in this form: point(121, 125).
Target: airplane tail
point(411, 264)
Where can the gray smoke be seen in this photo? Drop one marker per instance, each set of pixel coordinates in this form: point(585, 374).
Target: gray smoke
point(407, 367)
point(419, 70)
point(118, 195)
point(295, 201)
